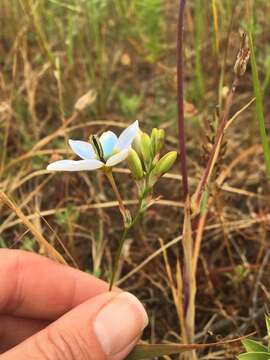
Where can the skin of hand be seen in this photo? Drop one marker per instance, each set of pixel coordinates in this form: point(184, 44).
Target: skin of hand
point(50, 311)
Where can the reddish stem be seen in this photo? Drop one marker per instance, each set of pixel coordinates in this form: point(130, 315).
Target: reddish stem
point(180, 99)
point(219, 135)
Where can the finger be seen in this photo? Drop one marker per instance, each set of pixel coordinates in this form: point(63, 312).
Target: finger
point(36, 287)
point(14, 330)
point(105, 328)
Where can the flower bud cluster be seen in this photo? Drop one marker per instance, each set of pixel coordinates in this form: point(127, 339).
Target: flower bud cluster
point(144, 158)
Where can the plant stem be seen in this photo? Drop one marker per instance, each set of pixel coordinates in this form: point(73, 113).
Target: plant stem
point(127, 225)
point(220, 131)
point(259, 107)
point(122, 240)
point(180, 99)
point(118, 255)
point(189, 330)
point(123, 210)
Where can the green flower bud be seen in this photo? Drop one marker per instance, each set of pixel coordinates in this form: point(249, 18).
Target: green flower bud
point(157, 140)
point(165, 163)
point(136, 144)
point(135, 165)
point(145, 146)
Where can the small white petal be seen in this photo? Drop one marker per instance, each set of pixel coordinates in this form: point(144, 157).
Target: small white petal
point(73, 165)
point(82, 148)
point(117, 158)
point(108, 141)
point(127, 136)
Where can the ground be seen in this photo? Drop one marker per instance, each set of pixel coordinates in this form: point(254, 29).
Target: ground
point(52, 53)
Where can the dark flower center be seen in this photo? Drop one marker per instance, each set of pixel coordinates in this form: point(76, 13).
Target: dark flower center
point(95, 142)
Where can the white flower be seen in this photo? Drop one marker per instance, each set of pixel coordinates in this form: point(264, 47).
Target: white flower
point(113, 151)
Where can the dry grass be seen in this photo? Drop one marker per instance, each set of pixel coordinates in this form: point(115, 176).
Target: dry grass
point(52, 54)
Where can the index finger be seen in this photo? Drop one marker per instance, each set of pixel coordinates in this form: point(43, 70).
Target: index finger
point(37, 287)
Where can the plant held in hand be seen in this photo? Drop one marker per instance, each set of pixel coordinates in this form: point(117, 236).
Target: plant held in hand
point(144, 161)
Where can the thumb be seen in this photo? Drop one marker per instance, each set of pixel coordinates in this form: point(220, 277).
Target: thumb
point(105, 327)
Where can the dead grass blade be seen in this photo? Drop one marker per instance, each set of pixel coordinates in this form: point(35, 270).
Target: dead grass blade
point(176, 287)
point(49, 249)
point(149, 351)
point(189, 278)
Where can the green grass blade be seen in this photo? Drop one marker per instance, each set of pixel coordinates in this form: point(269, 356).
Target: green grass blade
point(199, 26)
point(151, 351)
point(254, 356)
point(259, 106)
point(251, 345)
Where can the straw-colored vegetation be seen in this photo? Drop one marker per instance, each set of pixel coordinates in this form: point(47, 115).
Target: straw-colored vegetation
point(70, 68)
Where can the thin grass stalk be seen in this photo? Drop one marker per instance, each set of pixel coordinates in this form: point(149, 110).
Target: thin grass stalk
point(213, 8)
point(31, 9)
point(266, 78)
point(176, 287)
point(199, 25)
point(224, 62)
point(180, 99)
point(50, 250)
point(190, 285)
point(4, 145)
point(180, 285)
point(151, 351)
point(215, 26)
point(259, 106)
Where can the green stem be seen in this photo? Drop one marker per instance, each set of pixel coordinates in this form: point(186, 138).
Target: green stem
point(259, 107)
point(127, 228)
point(118, 255)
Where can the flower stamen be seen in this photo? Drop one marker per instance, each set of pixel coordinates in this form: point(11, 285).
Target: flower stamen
point(94, 140)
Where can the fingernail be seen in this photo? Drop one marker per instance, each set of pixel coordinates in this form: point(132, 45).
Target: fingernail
point(119, 323)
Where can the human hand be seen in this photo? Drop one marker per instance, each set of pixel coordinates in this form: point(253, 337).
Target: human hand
point(54, 312)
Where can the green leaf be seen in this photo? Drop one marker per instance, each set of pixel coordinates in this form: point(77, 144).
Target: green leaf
point(254, 356)
point(2, 243)
point(267, 321)
point(204, 201)
point(254, 346)
point(151, 351)
point(259, 107)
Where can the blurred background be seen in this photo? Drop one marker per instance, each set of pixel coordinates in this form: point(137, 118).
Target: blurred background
point(122, 54)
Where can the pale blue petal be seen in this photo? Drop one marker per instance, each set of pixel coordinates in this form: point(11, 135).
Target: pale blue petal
point(108, 141)
point(73, 165)
point(82, 148)
point(117, 158)
point(127, 136)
